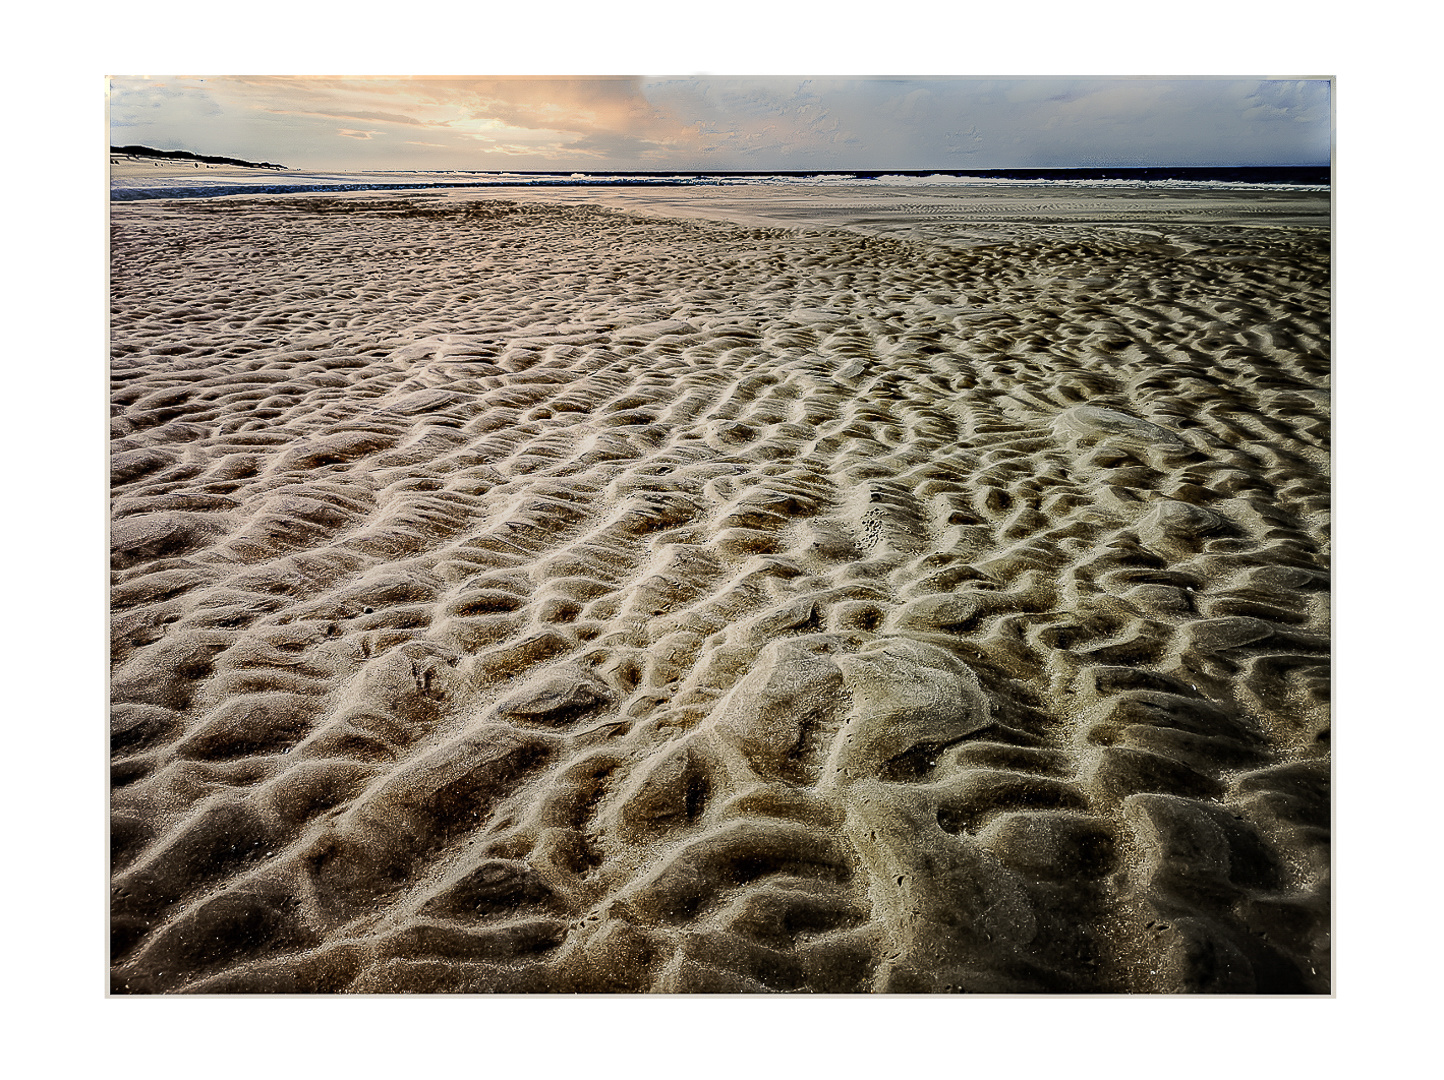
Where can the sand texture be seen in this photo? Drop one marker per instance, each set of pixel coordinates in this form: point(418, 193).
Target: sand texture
point(512, 597)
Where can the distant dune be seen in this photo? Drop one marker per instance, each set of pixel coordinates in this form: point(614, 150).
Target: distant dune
point(186, 155)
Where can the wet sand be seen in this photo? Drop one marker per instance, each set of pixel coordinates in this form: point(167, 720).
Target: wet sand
point(721, 591)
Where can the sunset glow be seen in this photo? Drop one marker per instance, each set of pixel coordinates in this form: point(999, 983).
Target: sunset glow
point(699, 123)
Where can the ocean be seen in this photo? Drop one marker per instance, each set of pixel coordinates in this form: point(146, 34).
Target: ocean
point(232, 181)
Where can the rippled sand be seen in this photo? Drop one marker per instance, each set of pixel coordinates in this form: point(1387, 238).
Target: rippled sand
point(518, 594)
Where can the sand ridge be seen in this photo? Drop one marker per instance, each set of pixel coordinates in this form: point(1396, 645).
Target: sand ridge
point(513, 597)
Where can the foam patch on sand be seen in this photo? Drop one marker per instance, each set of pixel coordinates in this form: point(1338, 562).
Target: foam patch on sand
point(527, 598)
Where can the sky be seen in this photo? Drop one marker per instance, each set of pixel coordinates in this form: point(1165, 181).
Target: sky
point(716, 123)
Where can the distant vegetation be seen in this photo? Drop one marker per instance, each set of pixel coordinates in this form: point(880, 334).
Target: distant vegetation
point(186, 155)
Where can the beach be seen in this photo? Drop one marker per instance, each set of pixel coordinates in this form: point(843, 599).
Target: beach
point(718, 590)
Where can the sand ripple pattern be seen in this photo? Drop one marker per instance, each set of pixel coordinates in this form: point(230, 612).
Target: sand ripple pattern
point(530, 599)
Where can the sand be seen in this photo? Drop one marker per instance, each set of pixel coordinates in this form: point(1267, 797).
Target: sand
point(603, 592)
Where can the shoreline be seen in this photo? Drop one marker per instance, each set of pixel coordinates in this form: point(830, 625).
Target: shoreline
point(141, 180)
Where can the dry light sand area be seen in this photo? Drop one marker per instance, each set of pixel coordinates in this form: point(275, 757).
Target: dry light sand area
point(580, 591)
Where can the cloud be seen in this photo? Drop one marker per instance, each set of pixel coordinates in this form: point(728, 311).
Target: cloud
point(352, 114)
point(705, 122)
